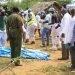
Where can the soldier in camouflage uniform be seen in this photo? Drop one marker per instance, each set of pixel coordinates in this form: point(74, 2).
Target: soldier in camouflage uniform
point(14, 32)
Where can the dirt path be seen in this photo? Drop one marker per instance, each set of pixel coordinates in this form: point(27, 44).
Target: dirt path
point(33, 67)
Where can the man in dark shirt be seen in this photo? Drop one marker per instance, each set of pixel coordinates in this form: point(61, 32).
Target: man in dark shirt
point(14, 33)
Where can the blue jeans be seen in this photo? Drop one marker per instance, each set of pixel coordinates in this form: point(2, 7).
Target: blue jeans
point(46, 32)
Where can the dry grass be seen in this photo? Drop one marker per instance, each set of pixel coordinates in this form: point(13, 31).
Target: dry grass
point(38, 67)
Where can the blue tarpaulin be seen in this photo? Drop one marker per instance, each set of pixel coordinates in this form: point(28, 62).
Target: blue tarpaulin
point(26, 53)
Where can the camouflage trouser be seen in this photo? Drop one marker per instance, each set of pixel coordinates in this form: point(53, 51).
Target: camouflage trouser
point(15, 42)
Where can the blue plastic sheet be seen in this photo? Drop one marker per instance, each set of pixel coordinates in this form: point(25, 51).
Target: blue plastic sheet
point(26, 53)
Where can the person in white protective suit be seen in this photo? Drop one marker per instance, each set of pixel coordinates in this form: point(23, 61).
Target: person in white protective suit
point(25, 26)
point(3, 35)
point(32, 24)
point(58, 42)
point(38, 18)
point(54, 32)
